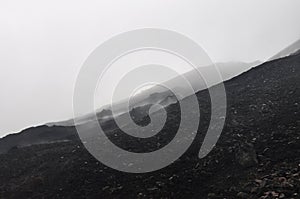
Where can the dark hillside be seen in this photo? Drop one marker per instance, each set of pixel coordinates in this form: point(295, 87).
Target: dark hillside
point(257, 156)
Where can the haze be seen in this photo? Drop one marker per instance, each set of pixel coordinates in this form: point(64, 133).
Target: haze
point(44, 43)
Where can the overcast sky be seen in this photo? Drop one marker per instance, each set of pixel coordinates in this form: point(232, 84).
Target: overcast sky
point(44, 43)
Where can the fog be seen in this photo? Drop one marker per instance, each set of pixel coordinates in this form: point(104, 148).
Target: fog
point(44, 43)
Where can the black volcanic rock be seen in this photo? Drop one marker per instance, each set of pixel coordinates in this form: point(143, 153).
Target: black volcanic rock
point(104, 113)
point(257, 155)
point(37, 135)
point(246, 155)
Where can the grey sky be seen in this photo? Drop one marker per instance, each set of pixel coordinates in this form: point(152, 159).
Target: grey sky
point(44, 43)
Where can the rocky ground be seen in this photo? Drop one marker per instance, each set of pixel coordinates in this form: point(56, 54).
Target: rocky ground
point(257, 155)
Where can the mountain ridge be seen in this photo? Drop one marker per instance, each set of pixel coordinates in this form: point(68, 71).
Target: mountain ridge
point(257, 155)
